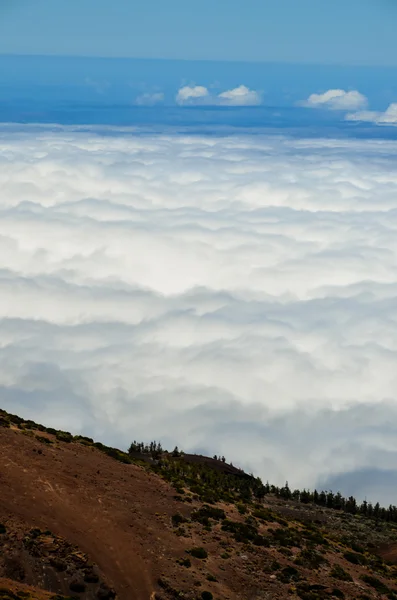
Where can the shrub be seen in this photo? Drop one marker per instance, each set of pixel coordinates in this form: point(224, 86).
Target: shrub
point(355, 558)
point(2, 528)
point(288, 574)
point(243, 532)
point(113, 453)
point(378, 585)
point(311, 559)
point(206, 596)
point(83, 439)
point(338, 572)
point(198, 552)
point(306, 591)
point(185, 562)
point(64, 436)
point(178, 519)
point(208, 512)
point(43, 439)
point(242, 508)
point(211, 577)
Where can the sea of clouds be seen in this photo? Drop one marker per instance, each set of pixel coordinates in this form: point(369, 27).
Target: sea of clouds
point(233, 294)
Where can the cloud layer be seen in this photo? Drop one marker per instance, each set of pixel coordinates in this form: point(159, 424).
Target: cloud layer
point(337, 100)
point(234, 295)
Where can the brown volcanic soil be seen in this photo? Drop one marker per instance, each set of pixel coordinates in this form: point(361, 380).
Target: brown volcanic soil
point(108, 525)
point(105, 508)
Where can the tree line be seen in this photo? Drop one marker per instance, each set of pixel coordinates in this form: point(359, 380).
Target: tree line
point(225, 486)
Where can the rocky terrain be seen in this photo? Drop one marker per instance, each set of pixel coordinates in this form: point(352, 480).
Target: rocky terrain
point(81, 520)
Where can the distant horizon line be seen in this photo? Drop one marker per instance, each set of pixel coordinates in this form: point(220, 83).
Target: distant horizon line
point(197, 60)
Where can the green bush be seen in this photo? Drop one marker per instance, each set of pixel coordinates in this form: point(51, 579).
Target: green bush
point(206, 596)
point(264, 514)
point(83, 439)
point(243, 532)
point(178, 519)
point(211, 577)
point(2, 528)
point(242, 508)
point(185, 562)
point(310, 559)
point(378, 585)
point(198, 552)
point(43, 439)
point(338, 572)
point(64, 436)
point(355, 558)
point(208, 512)
point(288, 574)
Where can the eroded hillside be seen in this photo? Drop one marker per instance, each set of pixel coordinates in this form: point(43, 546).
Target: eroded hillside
point(80, 520)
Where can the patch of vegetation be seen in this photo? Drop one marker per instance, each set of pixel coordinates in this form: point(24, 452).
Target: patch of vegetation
point(310, 559)
point(3, 529)
point(355, 558)
point(242, 508)
point(168, 587)
point(203, 514)
point(206, 596)
point(211, 577)
point(198, 552)
point(307, 591)
point(378, 585)
point(286, 537)
point(338, 572)
point(82, 439)
point(243, 532)
point(288, 574)
point(64, 436)
point(178, 519)
point(113, 453)
point(264, 514)
point(44, 440)
point(185, 562)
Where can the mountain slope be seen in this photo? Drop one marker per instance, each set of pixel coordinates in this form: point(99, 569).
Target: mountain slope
point(78, 523)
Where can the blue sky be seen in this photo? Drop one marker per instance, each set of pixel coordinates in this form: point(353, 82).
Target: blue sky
point(309, 31)
point(139, 269)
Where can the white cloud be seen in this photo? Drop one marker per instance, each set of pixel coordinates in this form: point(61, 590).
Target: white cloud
point(240, 96)
point(389, 117)
point(191, 94)
point(337, 100)
point(232, 294)
point(149, 99)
